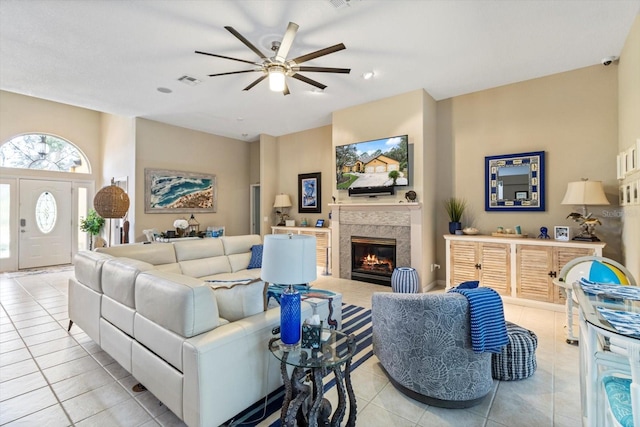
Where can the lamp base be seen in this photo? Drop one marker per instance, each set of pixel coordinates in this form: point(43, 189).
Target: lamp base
point(586, 238)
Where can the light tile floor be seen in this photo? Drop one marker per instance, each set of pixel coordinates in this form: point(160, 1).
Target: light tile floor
point(51, 378)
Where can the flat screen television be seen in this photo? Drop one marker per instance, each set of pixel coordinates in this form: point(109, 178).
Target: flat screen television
point(373, 164)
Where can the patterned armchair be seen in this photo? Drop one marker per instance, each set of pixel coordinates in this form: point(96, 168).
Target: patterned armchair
point(423, 342)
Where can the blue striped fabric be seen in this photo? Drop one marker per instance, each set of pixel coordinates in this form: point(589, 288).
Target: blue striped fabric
point(488, 327)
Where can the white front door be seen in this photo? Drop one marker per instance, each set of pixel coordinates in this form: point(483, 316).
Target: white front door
point(45, 223)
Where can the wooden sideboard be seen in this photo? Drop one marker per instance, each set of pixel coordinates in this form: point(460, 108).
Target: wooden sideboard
point(323, 242)
point(515, 267)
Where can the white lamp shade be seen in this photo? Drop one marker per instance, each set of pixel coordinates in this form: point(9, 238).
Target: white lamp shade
point(282, 201)
point(289, 259)
point(585, 193)
point(276, 79)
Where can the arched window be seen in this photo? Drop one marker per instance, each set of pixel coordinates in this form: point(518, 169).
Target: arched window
point(42, 152)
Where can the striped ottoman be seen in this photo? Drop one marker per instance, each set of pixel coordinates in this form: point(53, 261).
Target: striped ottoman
point(405, 280)
point(517, 360)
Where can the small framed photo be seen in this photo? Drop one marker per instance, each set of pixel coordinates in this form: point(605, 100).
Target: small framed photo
point(561, 232)
point(320, 223)
point(522, 195)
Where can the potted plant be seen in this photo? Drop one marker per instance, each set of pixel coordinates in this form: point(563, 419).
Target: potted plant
point(92, 224)
point(455, 208)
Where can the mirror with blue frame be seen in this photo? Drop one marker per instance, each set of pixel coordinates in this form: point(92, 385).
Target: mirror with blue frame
point(515, 182)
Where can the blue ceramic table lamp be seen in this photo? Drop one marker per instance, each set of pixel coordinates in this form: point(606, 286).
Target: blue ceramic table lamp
point(289, 259)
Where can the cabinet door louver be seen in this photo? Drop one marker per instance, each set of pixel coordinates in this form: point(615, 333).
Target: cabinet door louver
point(496, 271)
point(463, 261)
point(534, 265)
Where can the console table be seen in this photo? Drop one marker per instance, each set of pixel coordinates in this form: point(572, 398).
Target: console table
point(323, 242)
point(520, 268)
point(336, 349)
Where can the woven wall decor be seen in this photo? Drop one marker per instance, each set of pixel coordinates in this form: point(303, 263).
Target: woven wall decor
point(111, 201)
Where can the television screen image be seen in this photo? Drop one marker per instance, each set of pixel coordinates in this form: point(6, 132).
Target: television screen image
point(378, 163)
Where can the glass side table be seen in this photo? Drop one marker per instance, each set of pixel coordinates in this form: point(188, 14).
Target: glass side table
point(305, 405)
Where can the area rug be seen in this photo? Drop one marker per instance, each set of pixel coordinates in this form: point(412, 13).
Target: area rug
point(41, 270)
point(355, 320)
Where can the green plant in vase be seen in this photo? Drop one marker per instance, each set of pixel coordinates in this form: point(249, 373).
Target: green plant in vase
point(455, 208)
point(92, 224)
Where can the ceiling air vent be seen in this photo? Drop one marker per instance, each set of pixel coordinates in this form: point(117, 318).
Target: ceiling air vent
point(339, 4)
point(188, 80)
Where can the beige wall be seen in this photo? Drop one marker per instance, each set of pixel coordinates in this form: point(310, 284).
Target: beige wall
point(571, 116)
point(21, 114)
point(305, 152)
point(628, 134)
point(161, 146)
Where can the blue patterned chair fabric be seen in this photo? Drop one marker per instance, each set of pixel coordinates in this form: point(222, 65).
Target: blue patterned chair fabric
point(618, 392)
point(423, 342)
point(517, 360)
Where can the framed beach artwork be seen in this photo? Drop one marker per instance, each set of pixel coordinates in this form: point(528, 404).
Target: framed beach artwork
point(169, 191)
point(309, 193)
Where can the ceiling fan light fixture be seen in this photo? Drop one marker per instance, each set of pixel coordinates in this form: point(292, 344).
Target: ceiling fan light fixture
point(276, 78)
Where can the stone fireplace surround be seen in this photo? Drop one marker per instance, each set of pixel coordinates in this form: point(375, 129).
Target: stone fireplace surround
point(400, 221)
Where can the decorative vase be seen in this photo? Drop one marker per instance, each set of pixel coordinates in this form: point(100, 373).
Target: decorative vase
point(179, 232)
point(453, 226)
point(290, 317)
point(405, 280)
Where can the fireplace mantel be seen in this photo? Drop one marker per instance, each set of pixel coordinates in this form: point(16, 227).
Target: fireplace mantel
point(379, 220)
point(376, 206)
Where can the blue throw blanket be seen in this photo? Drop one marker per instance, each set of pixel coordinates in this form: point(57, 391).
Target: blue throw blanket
point(488, 328)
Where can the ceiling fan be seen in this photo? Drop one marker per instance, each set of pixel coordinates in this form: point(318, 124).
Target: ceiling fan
point(277, 67)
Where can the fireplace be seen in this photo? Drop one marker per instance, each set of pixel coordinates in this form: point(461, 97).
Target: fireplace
point(373, 259)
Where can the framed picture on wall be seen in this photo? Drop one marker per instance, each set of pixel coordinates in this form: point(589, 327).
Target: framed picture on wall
point(309, 191)
point(169, 191)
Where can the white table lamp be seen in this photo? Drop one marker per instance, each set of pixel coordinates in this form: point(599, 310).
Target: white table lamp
point(289, 259)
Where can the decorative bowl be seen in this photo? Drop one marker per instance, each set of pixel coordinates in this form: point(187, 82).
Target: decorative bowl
point(470, 230)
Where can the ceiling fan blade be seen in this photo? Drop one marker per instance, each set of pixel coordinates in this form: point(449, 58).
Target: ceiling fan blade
point(322, 69)
point(258, 80)
point(246, 42)
point(318, 53)
point(228, 57)
point(286, 89)
point(287, 41)
point(308, 81)
point(233, 72)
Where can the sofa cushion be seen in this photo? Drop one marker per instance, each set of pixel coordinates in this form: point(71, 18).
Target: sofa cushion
point(239, 244)
point(197, 249)
point(179, 303)
point(119, 278)
point(88, 268)
point(239, 261)
point(206, 266)
point(153, 253)
point(237, 300)
point(256, 257)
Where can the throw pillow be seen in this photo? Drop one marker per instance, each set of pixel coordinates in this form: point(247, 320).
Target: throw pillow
point(256, 257)
point(240, 300)
point(469, 285)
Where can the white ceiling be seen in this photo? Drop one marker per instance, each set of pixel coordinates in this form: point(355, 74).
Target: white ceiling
point(112, 56)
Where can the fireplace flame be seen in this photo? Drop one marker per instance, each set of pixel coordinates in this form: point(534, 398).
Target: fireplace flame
point(373, 262)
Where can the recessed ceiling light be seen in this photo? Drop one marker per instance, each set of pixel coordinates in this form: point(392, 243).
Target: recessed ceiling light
point(240, 119)
point(164, 90)
point(368, 75)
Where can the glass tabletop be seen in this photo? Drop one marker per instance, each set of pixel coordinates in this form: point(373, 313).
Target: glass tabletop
point(615, 312)
point(334, 350)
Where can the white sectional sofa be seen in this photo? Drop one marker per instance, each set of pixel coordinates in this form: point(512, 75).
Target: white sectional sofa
point(150, 308)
